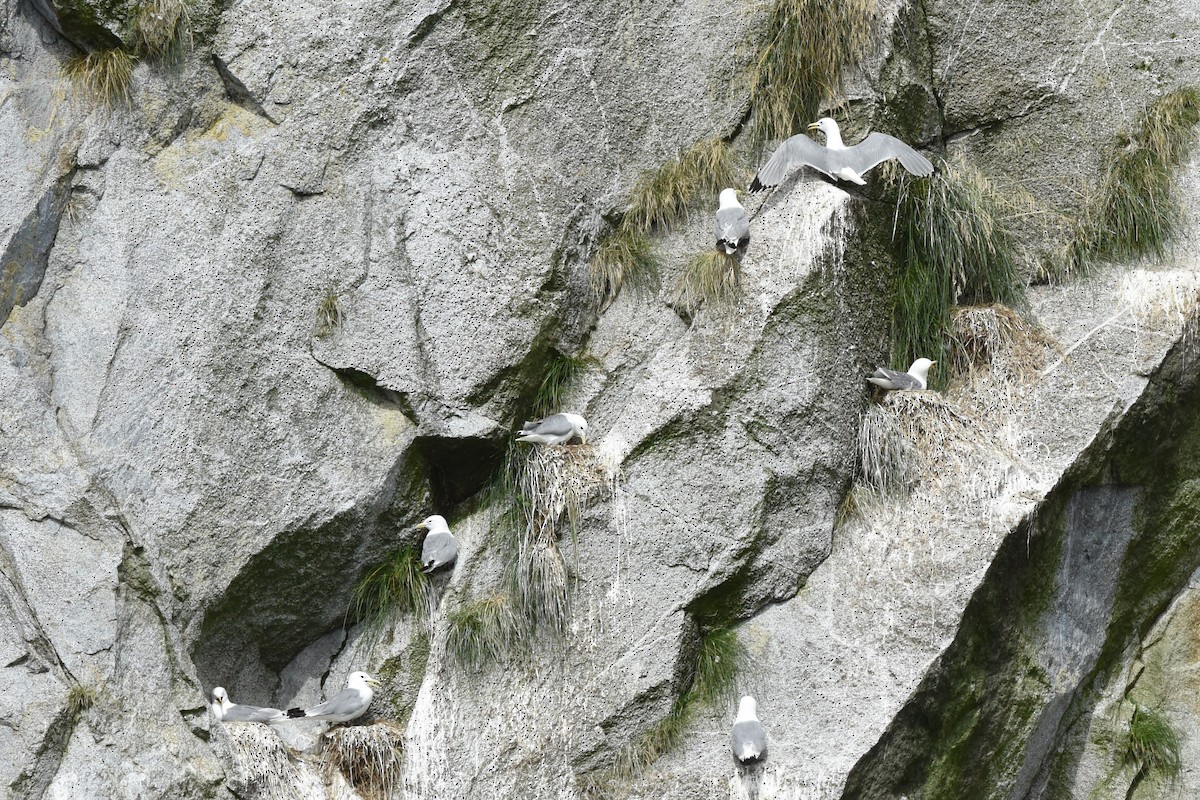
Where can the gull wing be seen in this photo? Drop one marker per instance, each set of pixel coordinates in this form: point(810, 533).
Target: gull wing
point(879, 147)
point(347, 702)
point(891, 379)
point(439, 548)
point(798, 149)
point(749, 741)
point(553, 425)
point(240, 713)
point(733, 225)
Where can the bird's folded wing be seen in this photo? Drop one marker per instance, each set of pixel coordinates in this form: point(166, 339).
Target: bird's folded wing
point(347, 701)
point(553, 425)
point(732, 224)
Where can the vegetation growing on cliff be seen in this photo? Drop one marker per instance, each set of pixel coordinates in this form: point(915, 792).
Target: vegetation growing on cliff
point(711, 277)
point(954, 246)
point(396, 586)
point(105, 74)
point(808, 46)
point(1135, 211)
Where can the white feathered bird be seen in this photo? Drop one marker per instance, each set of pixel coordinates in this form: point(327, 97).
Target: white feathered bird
point(733, 224)
point(917, 376)
point(440, 547)
point(554, 429)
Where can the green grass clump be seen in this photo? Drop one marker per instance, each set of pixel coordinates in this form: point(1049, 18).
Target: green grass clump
point(483, 630)
point(1151, 746)
point(80, 698)
point(1136, 211)
point(396, 586)
point(561, 374)
point(955, 246)
point(799, 69)
point(711, 277)
point(105, 74)
point(722, 657)
point(162, 27)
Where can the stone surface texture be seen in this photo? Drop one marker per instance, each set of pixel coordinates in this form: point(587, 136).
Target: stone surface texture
point(295, 295)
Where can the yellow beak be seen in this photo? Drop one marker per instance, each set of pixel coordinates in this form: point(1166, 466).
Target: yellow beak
point(812, 126)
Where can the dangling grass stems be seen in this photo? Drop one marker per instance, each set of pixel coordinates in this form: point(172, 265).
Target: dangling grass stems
point(1136, 210)
point(329, 315)
point(162, 27)
point(799, 69)
point(396, 585)
point(484, 630)
point(660, 199)
point(369, 756)
point(711, 278)
point(1152, 746)
point(561, 374)
point(954, 246)
point(105, 74)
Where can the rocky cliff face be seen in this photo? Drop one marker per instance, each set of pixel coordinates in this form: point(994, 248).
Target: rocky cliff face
point(294, 294)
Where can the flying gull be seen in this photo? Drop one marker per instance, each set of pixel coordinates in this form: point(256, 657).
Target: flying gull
point(554, 429)
point(733, 226)
point(226, 711)
point(916, 378)
point(748, 738)
point(440, 547)
point(836, 159)
point(350, 703)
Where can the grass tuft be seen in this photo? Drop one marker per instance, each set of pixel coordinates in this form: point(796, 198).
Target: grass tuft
point(561, 375)
point(808, 45)
point(660, 199)
point(1151, 745)
point(1135, 211)
point(105, 74)
point(954, 247)
point(368, 756)
point(719, 660)
point(713, 278)
point(722, 657)
point(329, 315)
point(482, 631)
point(624, 258)
point(396, 585)
point(80, 698)
point(162, 27)
point(886, 455)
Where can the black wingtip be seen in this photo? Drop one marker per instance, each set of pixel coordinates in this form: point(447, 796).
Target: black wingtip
point(295, 713)
point(756, 186)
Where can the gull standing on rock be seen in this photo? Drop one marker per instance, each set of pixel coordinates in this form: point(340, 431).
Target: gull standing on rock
point(837, 160)
point(350, 703)
point(733, 224)
point(226, 711)
point(916, 378)
point(554, 429)
point(748, 737)
point(440, 547)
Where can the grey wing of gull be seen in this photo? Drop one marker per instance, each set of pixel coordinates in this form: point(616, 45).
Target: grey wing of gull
point(733, 224)
point(879, 147)
point(798, 149)
point(553, 425)
point(439, 548)
point(240, 713)
point(346, 703)
point(749, 741)
point(890, 379)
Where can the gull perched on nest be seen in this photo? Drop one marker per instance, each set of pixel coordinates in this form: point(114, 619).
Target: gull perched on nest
point(917, 376)
point(440, 547)
point(554, 429)
point(350, 703)
point(733, 224)
point(226, 711)
point(837, 160)
point(748, 737)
